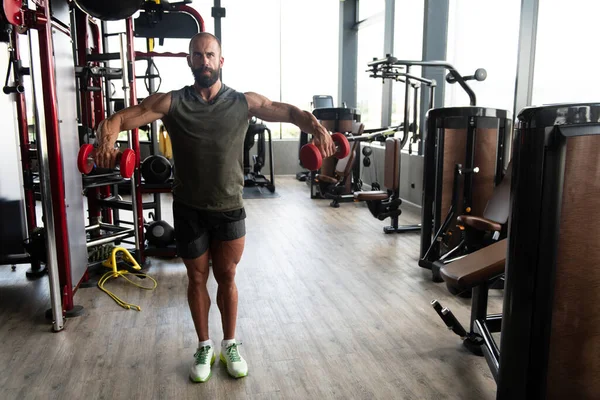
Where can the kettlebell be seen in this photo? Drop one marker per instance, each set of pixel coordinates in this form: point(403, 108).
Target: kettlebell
point(160, 234)
point(156, 169)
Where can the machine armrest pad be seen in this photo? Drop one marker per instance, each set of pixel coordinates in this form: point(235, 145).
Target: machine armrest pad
point(477, 267)
point(372, 195)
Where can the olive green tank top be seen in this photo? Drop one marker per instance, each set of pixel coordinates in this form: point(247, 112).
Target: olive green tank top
point(208, 148)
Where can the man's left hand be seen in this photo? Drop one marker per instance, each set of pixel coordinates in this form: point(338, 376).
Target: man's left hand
point(322, 139)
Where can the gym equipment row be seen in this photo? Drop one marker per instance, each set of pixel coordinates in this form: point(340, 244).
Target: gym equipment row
point(547, 259)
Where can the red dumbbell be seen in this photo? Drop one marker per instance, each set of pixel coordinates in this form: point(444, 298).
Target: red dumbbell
point(311, 158)
point(86, 163)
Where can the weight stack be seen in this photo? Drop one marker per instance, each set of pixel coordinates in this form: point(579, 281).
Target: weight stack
point(472, 137)
point(550, 345)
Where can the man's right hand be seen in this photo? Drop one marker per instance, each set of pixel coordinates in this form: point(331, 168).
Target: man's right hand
point(152, 108)
point(106, 157)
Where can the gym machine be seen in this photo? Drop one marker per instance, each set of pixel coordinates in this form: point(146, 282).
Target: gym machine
point(344, 173)
point(548, 337)
point(252, 173)
point(464, 162)
point(391, 70)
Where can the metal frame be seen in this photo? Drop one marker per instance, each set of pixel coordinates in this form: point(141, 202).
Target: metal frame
point(388, 48)
point(348, 54)
point(526, 58)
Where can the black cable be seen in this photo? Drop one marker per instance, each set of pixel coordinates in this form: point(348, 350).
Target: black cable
point(10, 62)
point(147, 77)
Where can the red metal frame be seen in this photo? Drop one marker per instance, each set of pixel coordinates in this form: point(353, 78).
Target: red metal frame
point(141, 54)
point(194, 13)
point(43, 24)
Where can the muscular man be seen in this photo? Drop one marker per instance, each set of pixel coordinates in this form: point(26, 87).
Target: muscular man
point(207, 123)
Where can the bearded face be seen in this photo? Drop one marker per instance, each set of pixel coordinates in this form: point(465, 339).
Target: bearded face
point(205, 76)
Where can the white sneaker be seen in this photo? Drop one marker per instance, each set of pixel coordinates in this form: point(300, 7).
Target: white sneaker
point(236, 365)
point(203, 359)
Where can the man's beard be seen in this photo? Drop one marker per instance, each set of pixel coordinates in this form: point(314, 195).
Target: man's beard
point(203, 80)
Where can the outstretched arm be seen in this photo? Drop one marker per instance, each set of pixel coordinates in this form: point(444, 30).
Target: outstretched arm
point(152, 108)
point(272, 111)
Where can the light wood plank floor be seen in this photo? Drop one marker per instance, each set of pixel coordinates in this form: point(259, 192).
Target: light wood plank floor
point(330, 307)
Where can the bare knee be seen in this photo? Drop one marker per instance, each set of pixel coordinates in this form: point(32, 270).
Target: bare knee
point(197, 271)
point(225, 276)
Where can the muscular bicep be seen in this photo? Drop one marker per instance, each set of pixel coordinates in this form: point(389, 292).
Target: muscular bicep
point(271, 111)
point(152, 108)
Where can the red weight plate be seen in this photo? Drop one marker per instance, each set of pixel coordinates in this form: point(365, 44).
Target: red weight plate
point(343, 145)
point(311, 157)
point(84, 163)
point(13, 12)
point(127, 163)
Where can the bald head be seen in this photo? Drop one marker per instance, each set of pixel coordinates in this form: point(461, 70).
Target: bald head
point(204, 35)
point(205, 59)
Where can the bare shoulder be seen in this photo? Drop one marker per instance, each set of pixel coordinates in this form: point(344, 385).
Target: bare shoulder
point(158, 102)
point(255, 100)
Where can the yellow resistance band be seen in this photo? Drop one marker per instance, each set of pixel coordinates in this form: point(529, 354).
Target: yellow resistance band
point(111, 262)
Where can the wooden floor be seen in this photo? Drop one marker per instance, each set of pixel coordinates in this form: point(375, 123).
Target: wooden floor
point(330, 307)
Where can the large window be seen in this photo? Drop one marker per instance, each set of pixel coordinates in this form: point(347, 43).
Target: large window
point(370, 8)
point(309, 53)
point(566, 59)
point(484, 34)
point(408, 45)
point(369, 90)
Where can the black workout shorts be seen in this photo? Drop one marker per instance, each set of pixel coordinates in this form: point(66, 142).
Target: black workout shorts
point(194, 229)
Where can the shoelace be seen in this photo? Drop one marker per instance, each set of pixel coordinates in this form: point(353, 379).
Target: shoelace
point(232, 352)
point(202, 355)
